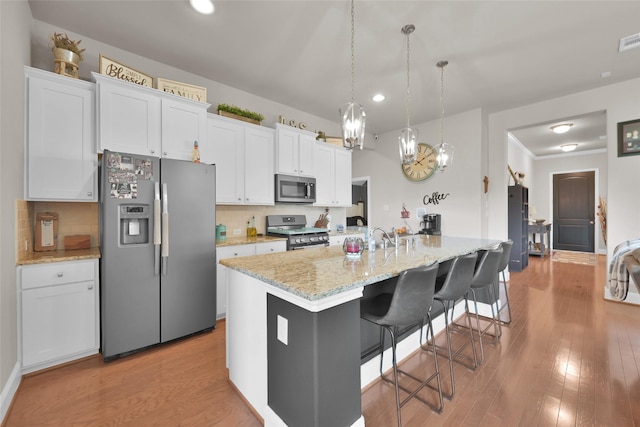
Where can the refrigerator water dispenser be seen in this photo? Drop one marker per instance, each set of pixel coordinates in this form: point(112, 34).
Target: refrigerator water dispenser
point(134, 224)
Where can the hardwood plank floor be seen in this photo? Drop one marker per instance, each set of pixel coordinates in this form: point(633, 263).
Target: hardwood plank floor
point(568, 358)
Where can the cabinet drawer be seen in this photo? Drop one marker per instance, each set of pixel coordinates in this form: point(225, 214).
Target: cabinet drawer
point(236, 251)
point(57, 273)
point(271, 247)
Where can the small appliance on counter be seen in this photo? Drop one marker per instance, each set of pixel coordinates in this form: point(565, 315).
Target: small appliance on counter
point(46, 237)
point(430, 225)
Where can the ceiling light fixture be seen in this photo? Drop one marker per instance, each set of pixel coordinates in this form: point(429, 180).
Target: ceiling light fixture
point(561, 128)
point(444, 151)
point(352, 114)
point(203, 6)
point(378, 97)
point(568, 147)
point(408, 139)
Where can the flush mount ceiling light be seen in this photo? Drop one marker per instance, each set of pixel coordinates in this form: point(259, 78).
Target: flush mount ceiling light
point(561, 128)
point(568, 147)
point(378, 97)
point(352, 114)
point(444, 151)
point(203, 6)
point(408, 139)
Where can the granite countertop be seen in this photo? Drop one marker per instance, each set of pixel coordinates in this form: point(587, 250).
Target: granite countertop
point(317, 273)
point(58, 256)
point(244, 240)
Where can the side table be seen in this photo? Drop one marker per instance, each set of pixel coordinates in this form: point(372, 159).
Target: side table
point(540, 248)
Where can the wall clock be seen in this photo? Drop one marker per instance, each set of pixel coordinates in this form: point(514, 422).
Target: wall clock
point(424, 166)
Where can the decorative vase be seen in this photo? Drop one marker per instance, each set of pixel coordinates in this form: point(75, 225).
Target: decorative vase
point(237, 117)
point(353, 247)
point(65, 62)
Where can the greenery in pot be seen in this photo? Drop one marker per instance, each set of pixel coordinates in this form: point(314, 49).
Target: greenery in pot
point(240, 112)
point(63, 41)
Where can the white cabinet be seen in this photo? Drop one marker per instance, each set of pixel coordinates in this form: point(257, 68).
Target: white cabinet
point(333, 175)
point(294, 151)
point(338, 239)
point(243, 154)
point(58, 312)
point(61, 162)
point(140, 120)
point(238, 251)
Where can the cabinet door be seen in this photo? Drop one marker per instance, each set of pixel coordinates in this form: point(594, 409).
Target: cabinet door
point(226, 142)
point(258, 166)
point(129, 119)
point(61, 160)
point(324, 160)
point(58, 321)
point(343, 177)
point(286, 151)
point(305, 154)
point(222, 272)
point(182, 124)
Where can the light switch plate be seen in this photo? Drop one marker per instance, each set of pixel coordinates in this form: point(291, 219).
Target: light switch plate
point(283, 330)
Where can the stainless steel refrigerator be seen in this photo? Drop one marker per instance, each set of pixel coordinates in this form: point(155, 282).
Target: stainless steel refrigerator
point(158, 251)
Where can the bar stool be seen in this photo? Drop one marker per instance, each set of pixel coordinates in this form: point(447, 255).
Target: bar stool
point(485, 277)
point(410, 304)
point(455, 287)
point(504, 262)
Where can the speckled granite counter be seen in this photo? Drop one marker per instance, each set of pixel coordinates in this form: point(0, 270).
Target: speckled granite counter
point(58, 256)
point(314, 274)
point(243, 240)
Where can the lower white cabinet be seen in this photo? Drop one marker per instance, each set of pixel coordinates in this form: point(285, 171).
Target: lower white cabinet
point(224, 252)
point(58, 305)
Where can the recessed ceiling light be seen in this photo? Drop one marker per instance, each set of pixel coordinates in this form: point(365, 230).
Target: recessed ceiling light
point(379, 97)
point(561, 128)
point(203, 6)
point(568, 147)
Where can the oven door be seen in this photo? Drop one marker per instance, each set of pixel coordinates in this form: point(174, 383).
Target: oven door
point(309, 246)
point(295, 189)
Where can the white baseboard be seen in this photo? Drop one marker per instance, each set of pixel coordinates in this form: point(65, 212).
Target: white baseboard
point(9, 391)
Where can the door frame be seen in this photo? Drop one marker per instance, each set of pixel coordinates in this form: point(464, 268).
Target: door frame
point(596, 194)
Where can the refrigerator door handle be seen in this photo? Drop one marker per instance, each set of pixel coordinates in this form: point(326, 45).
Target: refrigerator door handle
point(165, 229)
point(157, 238)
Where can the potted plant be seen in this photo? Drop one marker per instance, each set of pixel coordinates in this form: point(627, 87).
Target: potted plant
point(67, 54)
point(240, 114)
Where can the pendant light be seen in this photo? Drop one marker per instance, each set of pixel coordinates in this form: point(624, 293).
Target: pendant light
point(408, 139)
point(444, 152)
point(352, 114)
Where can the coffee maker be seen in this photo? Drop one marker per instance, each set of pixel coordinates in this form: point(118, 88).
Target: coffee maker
point(430, 224)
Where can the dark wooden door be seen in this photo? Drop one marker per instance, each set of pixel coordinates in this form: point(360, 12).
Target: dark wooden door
point(573, 211)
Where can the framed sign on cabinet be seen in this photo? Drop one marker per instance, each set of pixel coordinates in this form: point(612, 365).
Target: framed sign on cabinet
point(114, 69)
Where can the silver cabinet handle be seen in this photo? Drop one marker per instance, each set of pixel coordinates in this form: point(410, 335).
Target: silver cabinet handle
point(60, 274)
point(89, 193)
point(89, 287)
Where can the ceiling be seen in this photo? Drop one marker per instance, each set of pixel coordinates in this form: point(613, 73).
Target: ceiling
point(502, 54)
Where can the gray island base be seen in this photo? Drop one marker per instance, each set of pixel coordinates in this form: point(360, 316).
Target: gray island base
point(294, 329)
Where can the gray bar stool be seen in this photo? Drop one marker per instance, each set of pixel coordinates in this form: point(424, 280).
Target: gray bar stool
point(485, 277)
point(410, 304)
point(455, 287)
point(504, 262)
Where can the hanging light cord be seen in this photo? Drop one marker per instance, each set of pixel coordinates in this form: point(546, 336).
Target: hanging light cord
point(353, 55)
point(442, 64)
point(408, 92)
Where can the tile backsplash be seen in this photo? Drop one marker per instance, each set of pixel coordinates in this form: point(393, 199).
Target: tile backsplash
point(73, 218)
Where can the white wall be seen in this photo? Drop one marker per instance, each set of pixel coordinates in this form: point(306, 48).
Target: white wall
point(620, 102)
point(461, 210)
point(15, 20)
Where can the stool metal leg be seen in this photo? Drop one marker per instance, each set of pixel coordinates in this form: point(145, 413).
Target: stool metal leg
point(507, 305)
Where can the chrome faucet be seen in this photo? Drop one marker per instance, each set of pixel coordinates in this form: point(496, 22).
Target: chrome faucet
point(385, 235)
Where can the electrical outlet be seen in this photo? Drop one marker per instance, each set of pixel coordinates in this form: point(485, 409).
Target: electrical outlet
point(26, 244)
point(283, 330)
point(237, 231)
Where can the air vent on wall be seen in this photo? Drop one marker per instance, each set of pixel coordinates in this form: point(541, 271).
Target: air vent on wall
point(629, 42)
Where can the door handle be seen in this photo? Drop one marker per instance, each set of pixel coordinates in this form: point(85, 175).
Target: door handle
point(165, 228)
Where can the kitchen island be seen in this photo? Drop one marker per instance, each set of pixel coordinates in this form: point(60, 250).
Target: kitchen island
point(293, 326)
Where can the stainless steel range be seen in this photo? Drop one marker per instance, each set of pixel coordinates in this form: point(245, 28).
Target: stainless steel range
point(294, 227)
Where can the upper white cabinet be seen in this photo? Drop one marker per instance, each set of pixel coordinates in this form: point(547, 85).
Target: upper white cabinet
point(61, 161)
point(333, 175)
point(141, 120)
point(243, 155)
point(294, 151)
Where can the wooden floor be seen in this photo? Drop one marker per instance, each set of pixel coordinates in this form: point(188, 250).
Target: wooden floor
point(568, 358)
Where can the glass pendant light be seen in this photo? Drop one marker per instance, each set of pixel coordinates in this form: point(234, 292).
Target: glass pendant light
point(444, 151)
point(408, 139)
point(352, 114)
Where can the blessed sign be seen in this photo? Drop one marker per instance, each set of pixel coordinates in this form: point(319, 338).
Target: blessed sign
point(111, 68)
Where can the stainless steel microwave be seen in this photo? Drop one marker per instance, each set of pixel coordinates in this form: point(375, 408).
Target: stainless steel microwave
point(295, 189)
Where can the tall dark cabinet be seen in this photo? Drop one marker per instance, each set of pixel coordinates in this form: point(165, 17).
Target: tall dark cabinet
point(518, 227)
